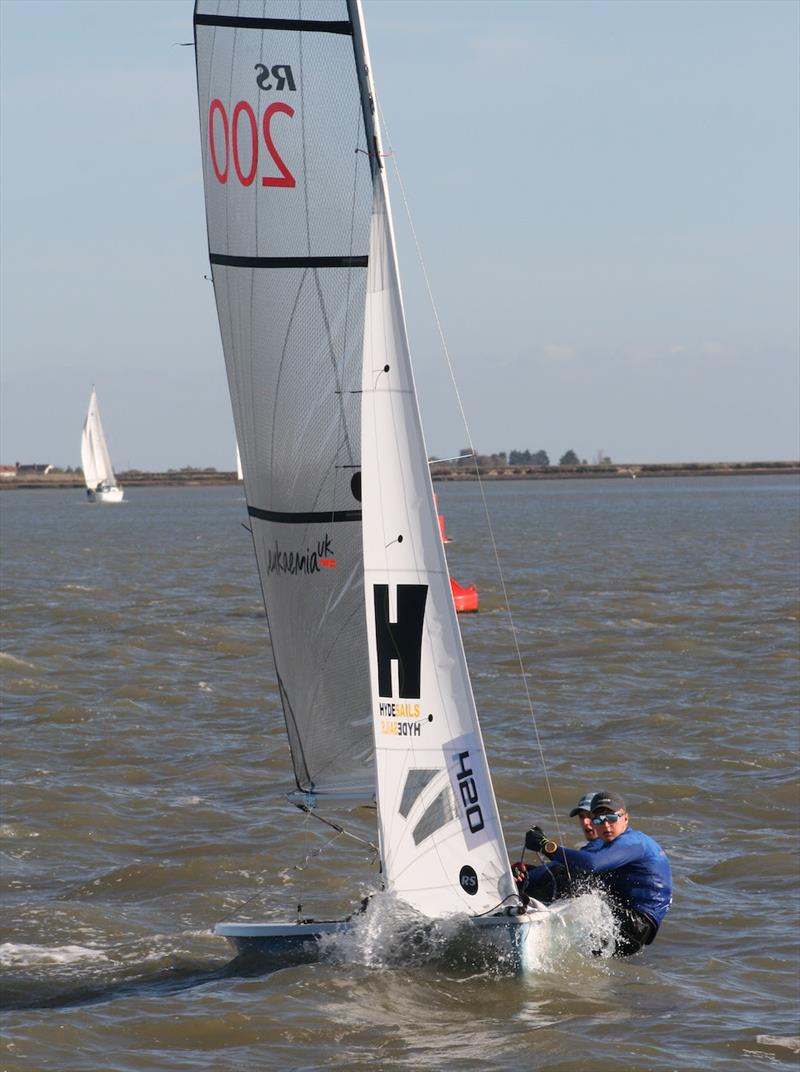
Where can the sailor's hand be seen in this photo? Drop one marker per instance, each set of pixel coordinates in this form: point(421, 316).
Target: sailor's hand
point(520, 873)
point(537, 841)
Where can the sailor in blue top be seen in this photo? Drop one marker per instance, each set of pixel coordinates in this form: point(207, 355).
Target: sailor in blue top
point(631, 867)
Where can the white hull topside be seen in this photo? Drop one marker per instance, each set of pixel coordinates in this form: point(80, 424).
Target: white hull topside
point(106, 495)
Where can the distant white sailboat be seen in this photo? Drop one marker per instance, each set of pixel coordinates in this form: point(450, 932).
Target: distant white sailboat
point(101, 484)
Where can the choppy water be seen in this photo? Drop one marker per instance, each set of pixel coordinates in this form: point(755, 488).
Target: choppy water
point(144, 763)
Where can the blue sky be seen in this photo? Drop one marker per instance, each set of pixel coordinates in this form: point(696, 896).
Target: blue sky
point(606, 196)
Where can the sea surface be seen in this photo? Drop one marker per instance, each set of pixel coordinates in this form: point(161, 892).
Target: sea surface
point(145, 765)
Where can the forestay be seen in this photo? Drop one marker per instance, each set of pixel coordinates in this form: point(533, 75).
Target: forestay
point(95, 459)
point(288, 195)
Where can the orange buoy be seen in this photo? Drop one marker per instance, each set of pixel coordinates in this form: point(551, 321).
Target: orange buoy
point(465, 599)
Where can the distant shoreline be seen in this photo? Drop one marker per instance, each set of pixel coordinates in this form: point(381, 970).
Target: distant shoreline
point(440, 471)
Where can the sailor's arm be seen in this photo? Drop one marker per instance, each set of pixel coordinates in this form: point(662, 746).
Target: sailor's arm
point(607, 857)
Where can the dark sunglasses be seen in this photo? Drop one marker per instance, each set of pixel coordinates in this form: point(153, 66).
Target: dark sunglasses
point(612, 817)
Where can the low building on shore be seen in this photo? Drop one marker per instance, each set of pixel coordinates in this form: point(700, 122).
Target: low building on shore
point(33, 470)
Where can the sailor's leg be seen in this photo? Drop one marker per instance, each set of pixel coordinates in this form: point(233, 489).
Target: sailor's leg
point(635, 931)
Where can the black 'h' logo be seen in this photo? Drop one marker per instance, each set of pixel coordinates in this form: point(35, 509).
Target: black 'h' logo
point(400, 640)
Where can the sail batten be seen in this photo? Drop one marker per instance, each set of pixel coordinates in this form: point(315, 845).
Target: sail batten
point(305, 518)
point(293, 25)
point(232, 261)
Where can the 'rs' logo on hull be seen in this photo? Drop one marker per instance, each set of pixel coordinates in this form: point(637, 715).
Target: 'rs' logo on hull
point(400, 641)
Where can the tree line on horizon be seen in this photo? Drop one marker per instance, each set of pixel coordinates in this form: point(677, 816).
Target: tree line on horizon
point(516, 457)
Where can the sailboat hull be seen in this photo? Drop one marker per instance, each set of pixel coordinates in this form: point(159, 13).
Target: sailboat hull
point(106, 495)
point(301, 942)
point(511, 940)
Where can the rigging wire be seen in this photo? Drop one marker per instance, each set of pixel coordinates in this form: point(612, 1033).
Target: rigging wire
point(295, 867)
point(451, 371)
point(335, 826)
point(338, 831)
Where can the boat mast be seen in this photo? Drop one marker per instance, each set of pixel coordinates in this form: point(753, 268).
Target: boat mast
point(374, 154)
point(364, 72)
point(372, 126)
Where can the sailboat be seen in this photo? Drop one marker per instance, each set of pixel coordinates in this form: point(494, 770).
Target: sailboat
point(101, 484)
point(370, 665)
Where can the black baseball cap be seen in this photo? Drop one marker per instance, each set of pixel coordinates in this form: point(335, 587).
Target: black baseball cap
point(584, 804)
point(608, 800)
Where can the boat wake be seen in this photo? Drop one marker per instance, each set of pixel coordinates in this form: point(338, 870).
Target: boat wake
point(18, 954)
point(585, 928)
point(70, 976)
point(389, 934)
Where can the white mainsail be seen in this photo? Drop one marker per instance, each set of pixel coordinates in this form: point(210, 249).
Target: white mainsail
point(288, 206)
point(370, 664)
point(95, 459)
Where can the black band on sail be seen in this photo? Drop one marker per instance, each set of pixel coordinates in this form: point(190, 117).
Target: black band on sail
point(248, 23)
point(310, 517)
point(288, 262)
